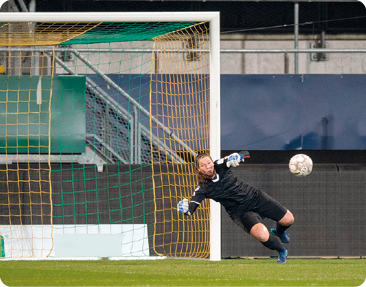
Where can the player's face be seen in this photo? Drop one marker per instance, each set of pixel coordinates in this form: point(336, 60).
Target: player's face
point(206, 166)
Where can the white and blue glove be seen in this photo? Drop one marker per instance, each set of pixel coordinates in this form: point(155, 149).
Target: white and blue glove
point(234, 159)
point(183, 206)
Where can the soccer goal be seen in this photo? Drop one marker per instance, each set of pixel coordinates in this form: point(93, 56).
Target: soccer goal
point(101, 117)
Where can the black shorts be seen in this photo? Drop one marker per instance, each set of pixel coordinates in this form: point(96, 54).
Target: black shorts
point(265, 207)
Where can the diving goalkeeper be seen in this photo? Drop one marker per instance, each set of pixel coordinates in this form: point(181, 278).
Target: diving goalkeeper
point(246, 205)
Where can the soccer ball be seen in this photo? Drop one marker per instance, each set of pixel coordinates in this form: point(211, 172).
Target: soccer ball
point(301, 165)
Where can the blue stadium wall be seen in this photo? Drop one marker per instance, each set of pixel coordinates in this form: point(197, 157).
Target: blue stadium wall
point(288, 112)
point(278, 112)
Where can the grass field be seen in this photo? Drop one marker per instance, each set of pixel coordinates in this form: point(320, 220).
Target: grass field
point(175, 272)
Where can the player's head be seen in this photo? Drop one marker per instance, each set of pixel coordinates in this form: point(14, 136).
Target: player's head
point(204, 167)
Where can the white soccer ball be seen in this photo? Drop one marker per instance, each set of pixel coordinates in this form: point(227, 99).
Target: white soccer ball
point(301, 165)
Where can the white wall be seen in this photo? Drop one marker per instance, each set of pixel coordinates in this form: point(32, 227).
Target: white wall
point(337, 63)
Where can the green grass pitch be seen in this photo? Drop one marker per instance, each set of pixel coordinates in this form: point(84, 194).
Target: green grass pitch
point(181, 272)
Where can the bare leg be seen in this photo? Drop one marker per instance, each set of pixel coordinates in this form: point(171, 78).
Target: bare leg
point(287, 220)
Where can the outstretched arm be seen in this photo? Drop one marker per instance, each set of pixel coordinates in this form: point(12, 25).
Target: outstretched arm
point(235, 158)
point(186, 207)
point(189, 208)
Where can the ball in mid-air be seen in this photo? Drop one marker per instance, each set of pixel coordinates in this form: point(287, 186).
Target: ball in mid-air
point(301, 165)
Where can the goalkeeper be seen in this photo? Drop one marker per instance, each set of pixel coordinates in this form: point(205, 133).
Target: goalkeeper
point(245, 204)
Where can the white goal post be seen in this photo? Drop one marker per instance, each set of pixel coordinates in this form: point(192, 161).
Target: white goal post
point(214, 126)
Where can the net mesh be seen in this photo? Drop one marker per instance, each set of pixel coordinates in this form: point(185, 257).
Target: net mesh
point(180, 100)
point(25, 177)
point(99, 127)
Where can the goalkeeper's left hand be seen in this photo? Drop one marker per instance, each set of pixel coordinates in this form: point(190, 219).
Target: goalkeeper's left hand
point(183, 206)
point(234, 159)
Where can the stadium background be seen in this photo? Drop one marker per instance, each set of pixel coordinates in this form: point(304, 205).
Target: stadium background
point(329, 204)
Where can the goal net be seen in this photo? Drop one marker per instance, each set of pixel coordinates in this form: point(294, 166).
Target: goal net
point(101, 117)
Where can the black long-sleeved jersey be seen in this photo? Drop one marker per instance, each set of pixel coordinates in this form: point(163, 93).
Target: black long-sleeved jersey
point(235, 195)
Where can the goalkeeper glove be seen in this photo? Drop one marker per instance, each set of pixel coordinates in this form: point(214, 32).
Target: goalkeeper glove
point(234, 159)
point(183, 206)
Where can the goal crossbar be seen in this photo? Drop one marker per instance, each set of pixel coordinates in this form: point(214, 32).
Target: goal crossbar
point(110, 17)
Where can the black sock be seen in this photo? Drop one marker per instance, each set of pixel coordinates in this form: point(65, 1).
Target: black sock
point(281, 228)
point(273, 244)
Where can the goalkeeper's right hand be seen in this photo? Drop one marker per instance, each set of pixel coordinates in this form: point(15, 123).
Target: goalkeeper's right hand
point(234, 159)
point(183, 206)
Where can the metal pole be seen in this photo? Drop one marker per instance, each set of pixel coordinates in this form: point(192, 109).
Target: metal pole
point(294, 51)
point(215, 144)
point(32, 6)
point(223, 51)
point(132, 133)
point(23, 6)
point(106, 134)
point(35, 71)
point(136, 133)
point(286, 60)
point(156, 62)
point(296, 56)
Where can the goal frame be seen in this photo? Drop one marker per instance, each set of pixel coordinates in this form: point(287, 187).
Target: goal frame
point(215, 123)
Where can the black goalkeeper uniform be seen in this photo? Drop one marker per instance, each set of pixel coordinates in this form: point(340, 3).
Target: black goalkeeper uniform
point(245, 204)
